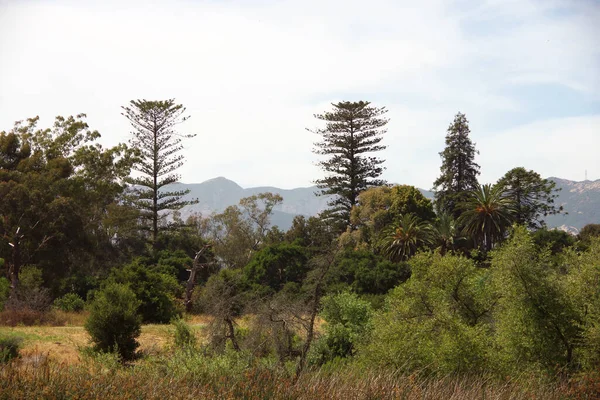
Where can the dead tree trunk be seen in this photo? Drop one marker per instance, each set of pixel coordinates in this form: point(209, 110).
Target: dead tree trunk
point(314, 310)
point(191, 283)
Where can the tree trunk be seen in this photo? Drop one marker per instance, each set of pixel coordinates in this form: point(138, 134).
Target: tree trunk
point(191, 283)
point(15, 267)
point(231, 333)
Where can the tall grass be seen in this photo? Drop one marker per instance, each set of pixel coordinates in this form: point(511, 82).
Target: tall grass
point(184, 375)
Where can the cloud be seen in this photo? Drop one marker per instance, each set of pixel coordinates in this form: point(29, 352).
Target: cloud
point(252, 73)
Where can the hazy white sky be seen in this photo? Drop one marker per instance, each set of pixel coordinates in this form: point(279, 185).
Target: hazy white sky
point(252, 73)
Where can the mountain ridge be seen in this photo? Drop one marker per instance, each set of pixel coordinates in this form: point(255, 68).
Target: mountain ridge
point(581, 199)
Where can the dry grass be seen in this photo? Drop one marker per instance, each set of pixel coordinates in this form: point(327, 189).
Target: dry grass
point(47, 379)
point(62, 343)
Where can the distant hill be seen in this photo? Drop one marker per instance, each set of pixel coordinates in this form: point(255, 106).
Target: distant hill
point(580, 199)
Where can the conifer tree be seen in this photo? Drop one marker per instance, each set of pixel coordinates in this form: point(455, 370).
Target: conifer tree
point(352, 129)
point(459, 170)
point(157, 141)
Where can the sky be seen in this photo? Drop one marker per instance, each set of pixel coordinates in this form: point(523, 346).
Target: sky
point(252, 73)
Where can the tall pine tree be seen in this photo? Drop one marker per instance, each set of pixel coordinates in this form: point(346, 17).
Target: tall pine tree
point(155, 137)
point(352, 129)
point(459, 170)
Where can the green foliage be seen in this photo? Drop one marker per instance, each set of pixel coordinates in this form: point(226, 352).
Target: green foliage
point(583, 290)
point(588, 232)
point(367, 273)
point(381, 206)
point(4, 291)
point(352, 129)
point(436, 322)
point(9, 348)
point(184, 335)
point(537, 324)
point(555, 240)
point(487, 215)
point(70, 302)
point(114, 322)
point(276, 265)
point(458, 171)
point(348, 321)
point(401, 240)
point(532, 197)
point(156, 291)
point(313, 233)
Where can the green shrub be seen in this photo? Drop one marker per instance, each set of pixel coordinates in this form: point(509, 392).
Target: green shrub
point(348, 320)
point(70, 302)
point(437, 322)
point(9, 347)
point(114, 323)
point(184, 335)
point(156, 291)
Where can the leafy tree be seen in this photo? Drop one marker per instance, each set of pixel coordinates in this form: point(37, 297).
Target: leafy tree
point(114, 324)
point(57, 187)
point(239, 231)
point(367, 273)
point(532, 197)
point(352, 129)
point(156, 291)
point(555, 240)
point(582, 288)
point(347, 322)
point(459, 170)
point(274, 266)
point(439, 321)
point(401, 240)
point(155, 137)
point(313, 233)
point(487, 215)
point(588, 232)
point(379, 207)
point(537, 323)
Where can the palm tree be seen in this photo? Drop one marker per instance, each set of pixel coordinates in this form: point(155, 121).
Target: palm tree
point(402, 240)
point(487, 214)
point(445, 233)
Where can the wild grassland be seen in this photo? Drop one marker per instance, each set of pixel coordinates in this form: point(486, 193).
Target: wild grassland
point(52, 366)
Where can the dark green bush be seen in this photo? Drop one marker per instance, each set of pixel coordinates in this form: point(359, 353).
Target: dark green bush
point(156, 291)
point(276, 265)
point(366, 273)
point(70, 302)
point(9, 347)
point(114, 322)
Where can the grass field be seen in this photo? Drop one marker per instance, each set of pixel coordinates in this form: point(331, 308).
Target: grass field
point(52, 365)
point(64, 343)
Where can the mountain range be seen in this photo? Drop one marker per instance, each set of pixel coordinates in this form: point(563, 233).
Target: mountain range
point(581, 201)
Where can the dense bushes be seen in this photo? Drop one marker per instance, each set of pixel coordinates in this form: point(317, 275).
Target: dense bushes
point(437, 321)
point(347, 322)
point(114, 323)
point(276, 265)
point(156, 291)
point(366, 273)
point(70, 302)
